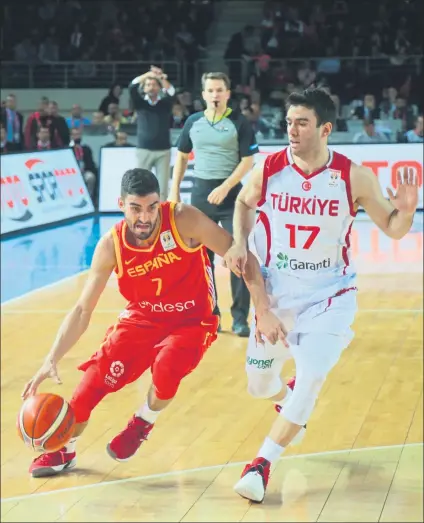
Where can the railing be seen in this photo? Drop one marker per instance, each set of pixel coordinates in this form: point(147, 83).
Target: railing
point(80, 74)
point(103, 74)
point(240, 70)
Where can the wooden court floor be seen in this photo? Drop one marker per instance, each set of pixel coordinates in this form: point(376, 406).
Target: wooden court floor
point(361, 459)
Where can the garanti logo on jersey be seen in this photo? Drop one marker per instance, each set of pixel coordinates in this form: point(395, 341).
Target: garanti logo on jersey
point(284, 262)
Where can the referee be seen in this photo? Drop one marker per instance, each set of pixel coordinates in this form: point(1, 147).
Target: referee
point(223, 144)
point(152, 96)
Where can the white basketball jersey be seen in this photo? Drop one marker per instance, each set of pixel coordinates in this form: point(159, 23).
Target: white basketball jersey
point(302, 234)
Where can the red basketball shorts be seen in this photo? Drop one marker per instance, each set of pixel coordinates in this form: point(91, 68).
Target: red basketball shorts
point(129, 349)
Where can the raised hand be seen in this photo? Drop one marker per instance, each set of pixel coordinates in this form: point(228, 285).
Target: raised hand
point(406, 197)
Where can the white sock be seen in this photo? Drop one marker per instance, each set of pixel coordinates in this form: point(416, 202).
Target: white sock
point(147, 413)
point(289, 392)
point(71, 445)
point(270, 450)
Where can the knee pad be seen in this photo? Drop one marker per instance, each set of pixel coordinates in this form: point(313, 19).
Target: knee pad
point(263, 384)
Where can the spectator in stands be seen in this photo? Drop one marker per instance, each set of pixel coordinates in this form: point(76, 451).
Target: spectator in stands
point(6, 147)
point(416, 135)
point(404, 112)
point(98, 118)
point(112, 98)
point(306, 74)
point(77, 120)
point(114, 118)
point(242, 45)
point(152, 97)
point(13, 122)
point(370, 134)
point(48, 51)
point(177, 119)
point(44, 142)
point(36, 120)
point(61, 133)
point(121, 140)
point(84, 157)
point(185, 99)
point(388, 104)
point(368, 109)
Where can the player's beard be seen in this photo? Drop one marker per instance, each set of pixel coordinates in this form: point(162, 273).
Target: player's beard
point(145, 232)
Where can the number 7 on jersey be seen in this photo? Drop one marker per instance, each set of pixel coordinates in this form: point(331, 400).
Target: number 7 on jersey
point(159, 285)
point(313, 233)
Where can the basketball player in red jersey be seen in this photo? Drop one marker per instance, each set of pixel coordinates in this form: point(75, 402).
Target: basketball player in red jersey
point(307, 197)
point(159, 255)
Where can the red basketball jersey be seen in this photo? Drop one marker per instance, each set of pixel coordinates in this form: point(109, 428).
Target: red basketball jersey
point(167, 280)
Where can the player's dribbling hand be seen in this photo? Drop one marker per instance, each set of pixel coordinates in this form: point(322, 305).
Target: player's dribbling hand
point(47, 370)
point(406, 197)
point(268, 325)
point(235, 259)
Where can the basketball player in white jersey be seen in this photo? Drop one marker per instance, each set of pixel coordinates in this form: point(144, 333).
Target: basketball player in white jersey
point(307, 196)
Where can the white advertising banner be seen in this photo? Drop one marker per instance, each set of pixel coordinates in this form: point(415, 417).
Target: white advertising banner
point(383, 159)
point(41, 188)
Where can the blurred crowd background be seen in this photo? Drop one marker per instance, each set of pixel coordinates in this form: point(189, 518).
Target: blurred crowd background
point(367, 53)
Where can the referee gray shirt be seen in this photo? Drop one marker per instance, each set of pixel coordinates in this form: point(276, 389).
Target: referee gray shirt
point(219, 147)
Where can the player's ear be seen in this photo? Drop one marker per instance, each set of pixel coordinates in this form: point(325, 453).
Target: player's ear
point(121, 204)
point(326, 129)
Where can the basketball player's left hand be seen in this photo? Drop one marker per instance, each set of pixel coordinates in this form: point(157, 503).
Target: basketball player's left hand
point(406, 197)
point(218, 195)
point(271, 327)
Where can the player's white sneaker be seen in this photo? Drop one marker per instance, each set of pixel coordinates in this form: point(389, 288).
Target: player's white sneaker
point(254, 480)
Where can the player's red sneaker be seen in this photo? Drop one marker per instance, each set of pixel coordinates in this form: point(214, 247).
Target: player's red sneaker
point(254, 480)
point(52, 463)
point(290, 384)
point(126, 443)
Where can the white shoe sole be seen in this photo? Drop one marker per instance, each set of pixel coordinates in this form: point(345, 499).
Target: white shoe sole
point(251, 487)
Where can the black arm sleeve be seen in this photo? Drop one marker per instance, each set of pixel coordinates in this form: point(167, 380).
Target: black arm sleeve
point(246, 137)
point(185, 145)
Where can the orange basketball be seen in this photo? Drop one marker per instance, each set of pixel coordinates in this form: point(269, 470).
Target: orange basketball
point(46, 422)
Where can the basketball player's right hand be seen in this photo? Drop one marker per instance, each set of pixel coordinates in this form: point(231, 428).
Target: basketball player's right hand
point(268, 325)
point(47, 370)
point(235, 259)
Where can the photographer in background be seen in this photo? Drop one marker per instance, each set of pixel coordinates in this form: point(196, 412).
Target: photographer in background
point(152, 98)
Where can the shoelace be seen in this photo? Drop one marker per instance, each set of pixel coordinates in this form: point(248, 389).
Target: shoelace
point(137, 432)
point(45, 458)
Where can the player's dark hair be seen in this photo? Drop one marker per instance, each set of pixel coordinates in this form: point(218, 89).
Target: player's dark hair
point(319, 100)
point(139, 182)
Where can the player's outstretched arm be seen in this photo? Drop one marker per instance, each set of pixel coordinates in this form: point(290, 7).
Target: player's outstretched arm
point(244, 220)
point(394, 216)
point(77, 320)
point(195, 226)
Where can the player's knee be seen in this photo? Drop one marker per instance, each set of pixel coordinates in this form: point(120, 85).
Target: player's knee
point(263, 384)
point(166, 387)
point(166, 380)
point(86, 397)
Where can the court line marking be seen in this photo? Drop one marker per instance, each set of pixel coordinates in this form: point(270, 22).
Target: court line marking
point(200, 469)
point(107, 311)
